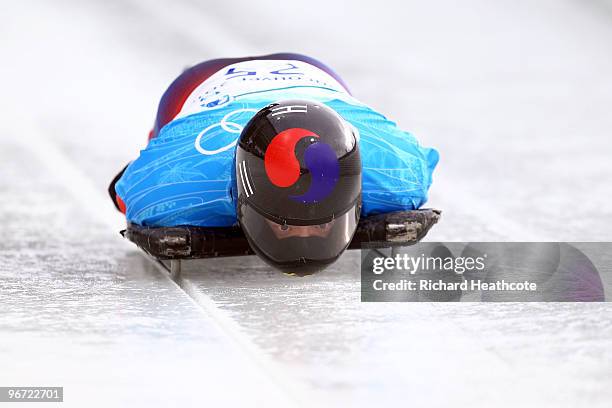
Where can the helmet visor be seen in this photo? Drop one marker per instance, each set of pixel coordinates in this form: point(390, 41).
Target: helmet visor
point(286, 244)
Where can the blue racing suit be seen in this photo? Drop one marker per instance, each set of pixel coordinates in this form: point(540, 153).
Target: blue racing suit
point(184, 175)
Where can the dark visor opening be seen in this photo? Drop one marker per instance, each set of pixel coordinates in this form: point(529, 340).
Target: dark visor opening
point(291, 243)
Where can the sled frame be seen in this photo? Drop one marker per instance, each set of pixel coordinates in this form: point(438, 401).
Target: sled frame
point(400, 228)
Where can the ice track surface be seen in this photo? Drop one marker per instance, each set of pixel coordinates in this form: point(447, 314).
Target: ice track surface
point(516, 97)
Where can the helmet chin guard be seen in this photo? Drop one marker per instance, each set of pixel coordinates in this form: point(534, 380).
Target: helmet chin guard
point(298, 173)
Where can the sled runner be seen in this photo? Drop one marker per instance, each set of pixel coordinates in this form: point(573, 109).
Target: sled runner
point(399, 228)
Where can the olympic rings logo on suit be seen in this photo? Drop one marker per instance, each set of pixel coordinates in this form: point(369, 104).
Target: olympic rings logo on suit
point(228, 126)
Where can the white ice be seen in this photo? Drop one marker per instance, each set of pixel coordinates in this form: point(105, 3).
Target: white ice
point(516, 96)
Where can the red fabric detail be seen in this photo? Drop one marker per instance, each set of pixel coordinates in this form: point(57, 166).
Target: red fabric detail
point(121, 204)
point(177, 93)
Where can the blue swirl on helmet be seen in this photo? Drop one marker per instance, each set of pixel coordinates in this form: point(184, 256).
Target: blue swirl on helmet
point(321, 161)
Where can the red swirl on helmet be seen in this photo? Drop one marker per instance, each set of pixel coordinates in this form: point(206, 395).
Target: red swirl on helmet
point(282, 167)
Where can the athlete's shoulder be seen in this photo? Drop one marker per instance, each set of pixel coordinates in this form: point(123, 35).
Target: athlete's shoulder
point(364, 117)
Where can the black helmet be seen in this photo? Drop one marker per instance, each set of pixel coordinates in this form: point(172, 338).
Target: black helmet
point(299, 185)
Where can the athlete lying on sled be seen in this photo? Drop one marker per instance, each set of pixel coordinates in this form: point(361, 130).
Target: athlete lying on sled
point(277, 145)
